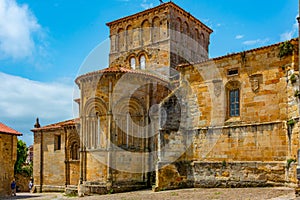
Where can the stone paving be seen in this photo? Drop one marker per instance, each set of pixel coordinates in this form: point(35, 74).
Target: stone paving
point(279, 193)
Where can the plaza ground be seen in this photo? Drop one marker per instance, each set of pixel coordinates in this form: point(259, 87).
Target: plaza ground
point(278, 193)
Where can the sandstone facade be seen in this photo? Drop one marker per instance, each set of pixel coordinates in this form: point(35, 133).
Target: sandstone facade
point(8, 157)
point(163, 115)
point(257, 145)
point(56, 156)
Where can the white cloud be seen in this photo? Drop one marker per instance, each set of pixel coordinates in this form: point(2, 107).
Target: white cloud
point(205, 20)
point(146, 5)
point(17, 29)
point(238, 37)
point(290, 34)
point(23, 100)
point(256, 42)
point(22, 97)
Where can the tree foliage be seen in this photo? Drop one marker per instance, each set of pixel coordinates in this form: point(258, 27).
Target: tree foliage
point(285, 49)
point(20, 166)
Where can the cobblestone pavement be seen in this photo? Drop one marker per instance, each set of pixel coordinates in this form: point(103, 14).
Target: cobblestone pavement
point(202, 194)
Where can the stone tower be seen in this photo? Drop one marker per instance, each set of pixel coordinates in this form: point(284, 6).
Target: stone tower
point(158, 38)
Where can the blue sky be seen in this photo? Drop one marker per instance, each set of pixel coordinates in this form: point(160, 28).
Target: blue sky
point(44, 43)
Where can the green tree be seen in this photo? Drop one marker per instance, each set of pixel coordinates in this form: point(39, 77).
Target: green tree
point(20, 166)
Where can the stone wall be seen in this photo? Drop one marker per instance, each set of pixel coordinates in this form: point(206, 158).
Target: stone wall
point(96, 170)
point(253, 142)
point(251, 149)
point(48, 164)
point(23, 182)
point(8, 157)
point(74, 172)
point(266, 92)
point(241, 174)
point(122, 156)
point(37, 158)
point(146, 35)
point(182, 174)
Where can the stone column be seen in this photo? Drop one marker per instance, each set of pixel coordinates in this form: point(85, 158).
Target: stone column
point(148, 131)
point(41, 164)
point(66, 158)
point(82, 133)
point(109, 133)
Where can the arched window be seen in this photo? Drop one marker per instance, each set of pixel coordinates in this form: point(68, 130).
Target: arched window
point(186, 29)
point(145, 32)
point(168, 28)
point(121, 41)
point(143, 62)
point(74, 151)
point(202, 39)
point(93, 123)
point(130, 123)
point(98, 143)
point(129, 36)
point(197, 35)
point(132, 63)
point(178, 30)
point(155, 29)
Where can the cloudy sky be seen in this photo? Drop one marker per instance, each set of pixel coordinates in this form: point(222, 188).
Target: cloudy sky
point(43, 45)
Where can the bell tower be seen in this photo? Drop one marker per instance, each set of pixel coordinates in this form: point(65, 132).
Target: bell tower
point(158, 38)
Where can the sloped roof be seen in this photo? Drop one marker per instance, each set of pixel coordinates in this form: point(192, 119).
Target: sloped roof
point(58, 125)
point(163, 5)
point(183, 65)
point(7, 130)
point(120, 70)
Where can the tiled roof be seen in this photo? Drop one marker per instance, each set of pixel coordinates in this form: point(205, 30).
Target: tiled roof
point(7, 130)
point(58, 125)
point(183, 65)
point(120, 70)
point(167, 4)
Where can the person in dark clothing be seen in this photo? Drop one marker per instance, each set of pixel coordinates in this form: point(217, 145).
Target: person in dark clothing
point(13, 187)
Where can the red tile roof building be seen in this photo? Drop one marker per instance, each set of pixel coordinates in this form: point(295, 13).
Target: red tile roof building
point(8, 157)
point(7, 130)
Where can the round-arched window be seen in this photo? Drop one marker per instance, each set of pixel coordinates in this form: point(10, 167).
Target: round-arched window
point(143, 62)
point(132, 63)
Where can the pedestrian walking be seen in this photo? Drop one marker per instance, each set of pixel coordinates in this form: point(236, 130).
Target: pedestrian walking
point(30, 185)
point(13, 187)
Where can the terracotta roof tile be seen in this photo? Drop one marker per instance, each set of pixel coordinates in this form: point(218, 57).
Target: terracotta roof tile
point(183, 65)
point(167, 4)
point(7, 130)
point(120, 70)
point(58, 125)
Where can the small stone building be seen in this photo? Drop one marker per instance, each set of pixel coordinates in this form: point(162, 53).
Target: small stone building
point(56, 156)
point(8, 157)
point(163, 115)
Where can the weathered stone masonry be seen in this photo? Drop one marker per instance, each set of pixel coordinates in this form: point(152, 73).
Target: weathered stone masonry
point(252, 149)
point(230, 121)
point(8, 157)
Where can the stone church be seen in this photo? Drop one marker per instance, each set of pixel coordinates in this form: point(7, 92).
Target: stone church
point(164, 115)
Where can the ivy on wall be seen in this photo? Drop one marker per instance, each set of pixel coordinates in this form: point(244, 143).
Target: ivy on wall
point(285, 49)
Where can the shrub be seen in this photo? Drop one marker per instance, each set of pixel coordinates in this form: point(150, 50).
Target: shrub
point(285, 49)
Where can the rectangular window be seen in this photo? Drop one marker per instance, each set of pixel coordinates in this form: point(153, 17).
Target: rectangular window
point(232, 72)
point(57, 142)
point(234, 102)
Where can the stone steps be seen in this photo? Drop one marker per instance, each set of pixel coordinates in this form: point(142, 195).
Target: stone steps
point(71, 190)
